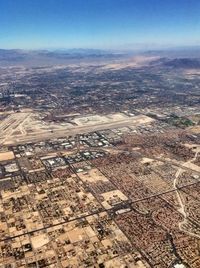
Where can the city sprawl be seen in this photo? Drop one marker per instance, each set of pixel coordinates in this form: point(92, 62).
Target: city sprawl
point(100, 165)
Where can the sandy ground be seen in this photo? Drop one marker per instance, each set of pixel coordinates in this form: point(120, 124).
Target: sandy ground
point(39, 240)
point(192, 166)
point(93, 175)
point(6, 156)
point(195, 129)
point(134, 62)
point(111, 195)
point(99, 119)
point(76, 235)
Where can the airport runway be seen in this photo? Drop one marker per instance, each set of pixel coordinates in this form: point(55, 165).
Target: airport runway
point(73, 130)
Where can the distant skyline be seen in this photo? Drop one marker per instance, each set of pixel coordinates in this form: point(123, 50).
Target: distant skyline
point(103, 24)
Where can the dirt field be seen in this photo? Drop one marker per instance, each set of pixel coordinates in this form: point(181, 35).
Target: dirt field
point(195, 129)
point(93, 175)
point(6, 156)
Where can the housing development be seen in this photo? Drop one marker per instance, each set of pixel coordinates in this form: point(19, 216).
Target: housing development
point(100, 164)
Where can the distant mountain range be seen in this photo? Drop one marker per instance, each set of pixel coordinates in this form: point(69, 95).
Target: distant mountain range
point(178, 63)
point(183, 63)
point(170, 59)
point(182, 52)
point(46, 57)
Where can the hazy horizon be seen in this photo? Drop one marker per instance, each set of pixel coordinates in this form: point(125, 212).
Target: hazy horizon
point(131, 49)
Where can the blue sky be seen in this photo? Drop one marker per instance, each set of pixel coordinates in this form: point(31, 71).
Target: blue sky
point(118, 24)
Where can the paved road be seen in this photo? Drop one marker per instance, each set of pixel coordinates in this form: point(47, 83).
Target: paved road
point(182, 210)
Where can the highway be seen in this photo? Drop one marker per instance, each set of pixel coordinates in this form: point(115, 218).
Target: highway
point(182, 210)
